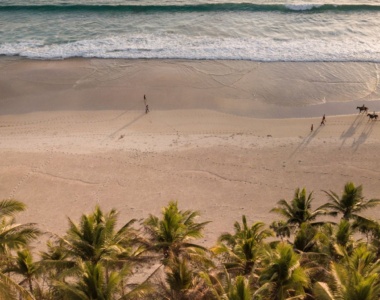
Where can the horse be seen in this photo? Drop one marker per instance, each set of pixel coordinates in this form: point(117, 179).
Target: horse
point(372, 116)
point(362, 108)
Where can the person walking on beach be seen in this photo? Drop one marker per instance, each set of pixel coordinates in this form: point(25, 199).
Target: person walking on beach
point(146, 105)
point(323, 120)
point(312, 127)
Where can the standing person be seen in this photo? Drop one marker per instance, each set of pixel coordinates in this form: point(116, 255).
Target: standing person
point(146, 105)
point(323, 120)
point(312, 127)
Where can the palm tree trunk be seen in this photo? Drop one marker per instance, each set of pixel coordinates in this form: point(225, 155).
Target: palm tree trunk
point(107, 274)
point(122, 287)
point(30, 285)
point(248, 267)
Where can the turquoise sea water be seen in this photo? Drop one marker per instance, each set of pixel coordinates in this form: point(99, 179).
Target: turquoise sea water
point(192, 29)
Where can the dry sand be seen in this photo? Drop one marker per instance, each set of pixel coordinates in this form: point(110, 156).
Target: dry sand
point(224, 138)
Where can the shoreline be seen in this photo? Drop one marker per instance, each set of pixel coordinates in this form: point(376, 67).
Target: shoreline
point(74, 134)
point(20, 57)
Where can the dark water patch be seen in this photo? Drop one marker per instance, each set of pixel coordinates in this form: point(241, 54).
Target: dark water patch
point(188, 8)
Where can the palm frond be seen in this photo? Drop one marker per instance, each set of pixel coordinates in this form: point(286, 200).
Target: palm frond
point(10, 290)
point(9, 207)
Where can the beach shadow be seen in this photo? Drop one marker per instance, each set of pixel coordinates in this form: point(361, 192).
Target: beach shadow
point(127, 125)
point(352, 129)
point(120, 115)
point(363, 136)
point(306, 141)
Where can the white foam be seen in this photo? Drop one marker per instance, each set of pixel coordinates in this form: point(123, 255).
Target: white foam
point(181, 46)
point(302, 7)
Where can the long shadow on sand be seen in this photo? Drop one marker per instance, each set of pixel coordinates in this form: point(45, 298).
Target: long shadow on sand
point(364, 135)
point(307, 140)
point(126, 125)
point(352, 129)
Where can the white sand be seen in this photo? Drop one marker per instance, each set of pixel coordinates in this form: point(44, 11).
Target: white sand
point(74, 134)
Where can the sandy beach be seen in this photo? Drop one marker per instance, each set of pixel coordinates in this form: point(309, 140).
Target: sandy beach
point(223, 137)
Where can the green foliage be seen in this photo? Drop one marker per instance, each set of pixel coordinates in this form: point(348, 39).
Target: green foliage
point(306, 238)
point(281, 228)
point(93, 259)
point(24, 266)
point(298, 211)
point(172, 233)
point(240, 250)
point(91, 284)
point(178, 276)
point(350, 203)
point(96, 260)
point(240, 290)
point(356, 277)
point(9, 207)
point(10, 290)
point(14, 237)
point(282, 275)
point(95, 238)
point(224, 286)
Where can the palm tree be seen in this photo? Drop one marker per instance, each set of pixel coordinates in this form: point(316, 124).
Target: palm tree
point(243, 246)
point(15, 236)
point(356, 277)
point(281, 228)
point(240, 290)
point(348, 285)
point(94, 246)
point(12, 235)
point(55, 265)
point(179, 278)
point(335, 238)
point(320, 245)
point(282, 276)
point(56, 259)
point(373, 237)
point(223, 286)
point(350, 203)
point(181, 281)
point(299, 211)
point(9, 207)
point(91, 284)
point(24, 266)
point(171, 234)
point(95, 237)
point(10, 290)
point(305, 239)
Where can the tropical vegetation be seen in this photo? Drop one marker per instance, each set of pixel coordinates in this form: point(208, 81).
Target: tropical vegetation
point(328, 253)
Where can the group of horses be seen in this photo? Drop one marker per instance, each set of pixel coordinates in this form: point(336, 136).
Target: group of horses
point(364, 109)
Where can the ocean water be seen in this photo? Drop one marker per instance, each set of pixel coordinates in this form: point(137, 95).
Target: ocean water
point(303, 30)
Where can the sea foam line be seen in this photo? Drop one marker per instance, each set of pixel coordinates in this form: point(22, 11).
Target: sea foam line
point(184, 47)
